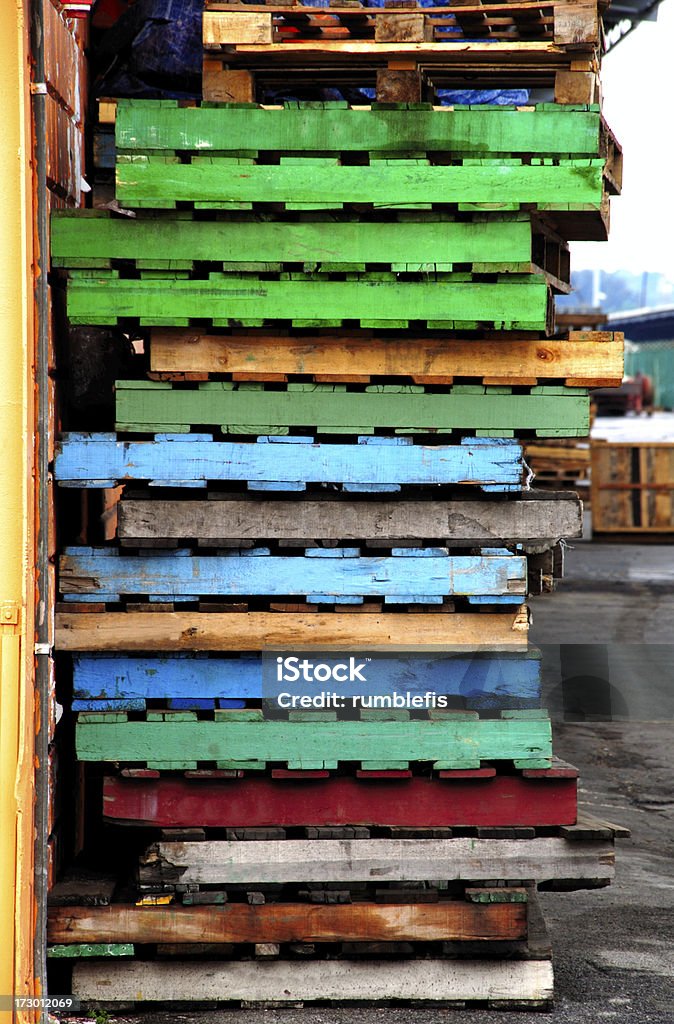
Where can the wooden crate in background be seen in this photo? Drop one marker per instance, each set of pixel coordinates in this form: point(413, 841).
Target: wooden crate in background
point(632, 487)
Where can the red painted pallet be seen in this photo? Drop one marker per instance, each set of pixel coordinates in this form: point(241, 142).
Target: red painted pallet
point(478, 797)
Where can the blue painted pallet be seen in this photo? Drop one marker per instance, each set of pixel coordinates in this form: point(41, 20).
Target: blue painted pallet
point(287, 463)
point(322, 575)
point(122, 682)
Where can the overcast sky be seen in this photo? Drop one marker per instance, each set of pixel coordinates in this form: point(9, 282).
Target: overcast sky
point(638, 83)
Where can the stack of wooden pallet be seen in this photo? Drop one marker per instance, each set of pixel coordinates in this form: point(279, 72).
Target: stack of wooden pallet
point(346, 316)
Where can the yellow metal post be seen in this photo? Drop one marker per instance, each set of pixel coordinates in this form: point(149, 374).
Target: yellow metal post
point(17, 703)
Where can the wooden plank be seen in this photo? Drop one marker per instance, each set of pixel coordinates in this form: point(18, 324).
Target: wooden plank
point(584, 359)
point(85, 459)
point(523, 301)
point(308, 981)
point(428, 240)
point(104, 571)
point(195, 631)
point(504, 800)
point(148, 125)
point(92, 948)
point(483, 681)
point(224, 86)
point(384, 860)
point(328, 184)
point(458, 522)
point(454, 920)
point(243, 409)
point(447, 742)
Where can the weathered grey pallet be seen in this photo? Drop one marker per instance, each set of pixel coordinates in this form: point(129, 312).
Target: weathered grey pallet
point(311, 981)
point(531, 520)
point(292, 860)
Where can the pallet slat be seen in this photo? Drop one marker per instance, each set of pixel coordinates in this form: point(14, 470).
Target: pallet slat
point(101, 571)
point(497, 682)
point(523, 302)
point(585, 359)
point(447, 742)
point(288, 462)
point(383, 860)
point(212, 631)
point(464, 522)
point(144, 406)
point(147, 125)
point(456, 920)
point(325, 183)
point(440, 980)
point(499, 800)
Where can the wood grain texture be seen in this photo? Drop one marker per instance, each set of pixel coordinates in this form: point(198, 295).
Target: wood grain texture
point(320, 183)
point(450, 742)
point(492, 800)
point(461, 522)
point(584, 359)
point(339, 980)
point(247, 409)
point(289, 463)
point(453, 920)
point(522, 301)
point(212, 631)
point(425, 240)
point(483, 681)
point(340, 573)
point(297, 860)
point(148, 125)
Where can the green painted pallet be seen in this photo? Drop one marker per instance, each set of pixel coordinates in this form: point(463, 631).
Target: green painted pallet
point(148, 125)
point(88, 950)
point(317, 741)
point(93, 238)
point(331, 408)
point(325, 183)
point(512, 302)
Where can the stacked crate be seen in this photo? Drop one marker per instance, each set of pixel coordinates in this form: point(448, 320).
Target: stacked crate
point(347, 315)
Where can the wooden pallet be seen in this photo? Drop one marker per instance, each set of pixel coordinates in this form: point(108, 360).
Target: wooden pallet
point(381, 300)
point(576, 25)
point(288, 463)
point(545, 131)
point(218, 631)
point(244, 739)
point(480, 798)
point(319, 183)
point(632, 487)
point(531, 520)
point(500, 984)
point(120, 682)
point(447, 920)
point(583, 359)
point(247, 408)
point(222, 862)
point(419, 243)
point(325, 575)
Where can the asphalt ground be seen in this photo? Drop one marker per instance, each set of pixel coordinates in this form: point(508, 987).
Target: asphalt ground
point(613, 618)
